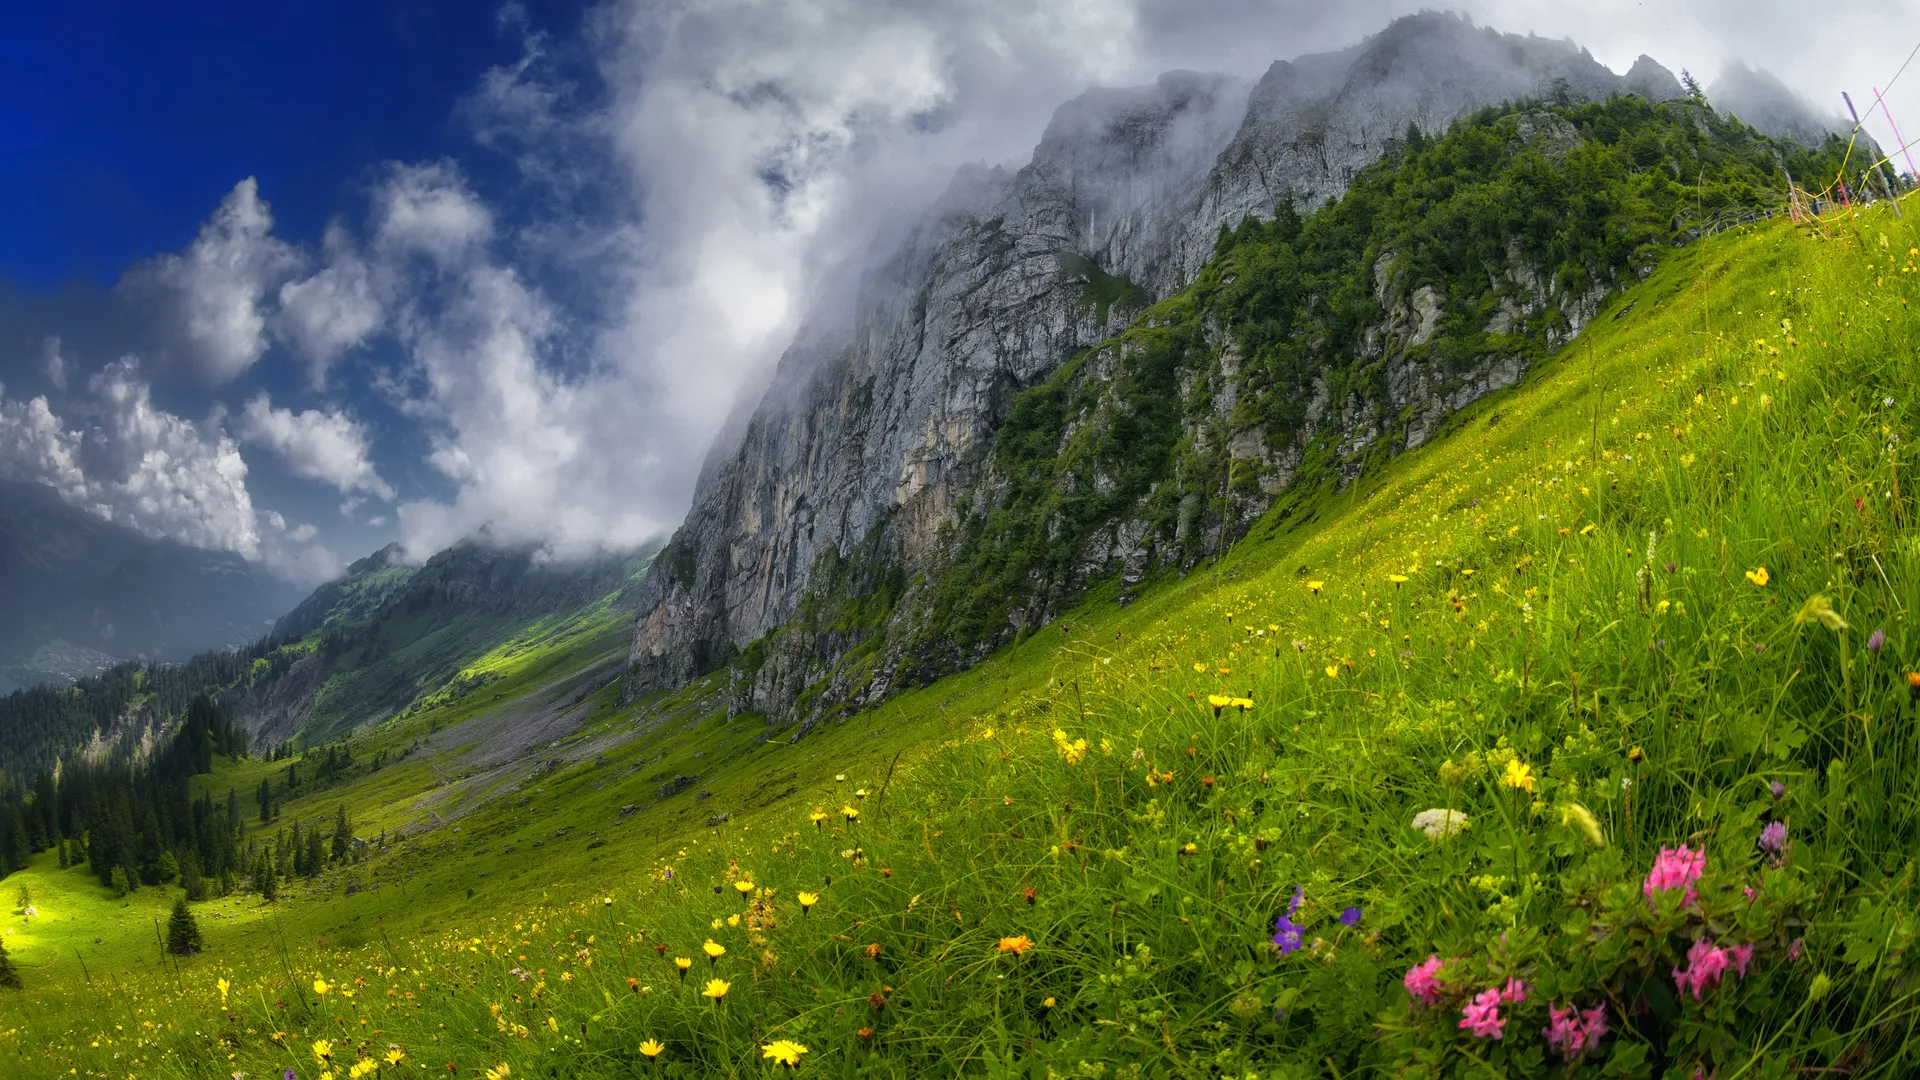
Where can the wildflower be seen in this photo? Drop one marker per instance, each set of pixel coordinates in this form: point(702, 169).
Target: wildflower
point(1794, 948)
point(1819, 609)
point(289, 1074)
point(683, 963)
point(1676, 868)
point(716, 989)
point(1773, 841)
point(362, 1068)
point(1758, 575)
point(876, 1001)
point(1778, 789)
point(1244, 704)
point(499, 1072)
point(743, 887)
point(322, 1051)
point(1705, 964)
point(1199, 668)
point(1741, 955)
point(1913, 684)
point(785, 1051)
point(1316, 586)
point(652, 1048)
point(395, 1055)
point(865, 1033)
point(1287, 933)
point(1519, 775)
point(713, 949)
point(1574, 1032)
point(850, 813)
point(1397, 579)
point(1350, 916)
point(1423, 980)
point(1029, 894)
point(807, 900)
point(873, 951)
point(1876, 640)
point(224, 986)
point(1482, 1016)
point(818, 817)
point(1072, 750)
point(1333, 671)
point(1218, 701)
point(1017, 945)
point(1514, 993)
point(1440, 824)
point(320, 986)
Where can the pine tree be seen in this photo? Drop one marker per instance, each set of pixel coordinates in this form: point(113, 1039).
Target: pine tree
point(9, 978)
point(266, 879)
point(190, 877)
point(183, 933)
point(266, 801)
point(342, 836)
point(316, 854)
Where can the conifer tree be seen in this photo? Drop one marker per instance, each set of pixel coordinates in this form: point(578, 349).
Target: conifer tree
point(9, 978)
point(183, 933)
point(266, 801)
point(342, 836)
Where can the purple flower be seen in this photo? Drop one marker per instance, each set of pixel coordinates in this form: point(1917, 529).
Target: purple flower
point(1351, 916)
point(1779, 790)
point(1286, 933)
point(289, 1074)
point(1877, 640)
point(1773, 838)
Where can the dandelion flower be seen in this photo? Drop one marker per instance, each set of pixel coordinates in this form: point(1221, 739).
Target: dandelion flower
point(716, 989)
point(322, 1051)
point(1218, 701)
point(224, 986)
point(807, 900)
point(395, 1055)
point(1519, 775)
point(1759, 575)
point(1397, 579)
point(652, 1048)
point(850, 813)
point(683, 963)
point(1315, 586)
point(1017, 945)
point(785, 1051)
point(818, 816)
point(713, 949)
point(743, 887)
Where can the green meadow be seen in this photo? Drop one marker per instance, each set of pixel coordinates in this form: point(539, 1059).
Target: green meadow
point(1595, 621)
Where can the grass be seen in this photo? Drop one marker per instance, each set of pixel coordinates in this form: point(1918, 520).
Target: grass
point(1581, 661)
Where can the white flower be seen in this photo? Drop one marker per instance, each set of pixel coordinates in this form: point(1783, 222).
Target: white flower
point(1440, 824)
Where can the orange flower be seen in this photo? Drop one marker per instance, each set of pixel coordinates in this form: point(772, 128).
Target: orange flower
point(1017, 945)
point(873, 951)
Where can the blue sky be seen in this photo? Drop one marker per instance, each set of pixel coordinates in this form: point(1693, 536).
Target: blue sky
point(302, 278)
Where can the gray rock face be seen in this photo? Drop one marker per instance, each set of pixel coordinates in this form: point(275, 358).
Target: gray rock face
point(876, 427)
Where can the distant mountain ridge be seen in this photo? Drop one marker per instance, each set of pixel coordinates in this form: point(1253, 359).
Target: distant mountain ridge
point(75, 586)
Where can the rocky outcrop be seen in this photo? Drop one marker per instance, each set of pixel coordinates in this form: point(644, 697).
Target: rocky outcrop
point(873, 442)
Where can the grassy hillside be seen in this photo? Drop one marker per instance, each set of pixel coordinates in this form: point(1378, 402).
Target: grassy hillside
point(1596, 620)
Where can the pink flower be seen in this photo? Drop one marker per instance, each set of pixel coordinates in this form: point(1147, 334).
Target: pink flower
point(1482, 1016)
point(1742, 955)
point(1423, 982)
point(1705, 963)
point(1676, 868)
point(1793, 950)
point(1573, 1032)
point(1514, 993)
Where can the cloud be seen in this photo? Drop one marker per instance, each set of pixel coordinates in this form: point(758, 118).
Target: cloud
point(56, 365)
point(139, 466)
point(428, 209)
point(327, 446)
point(333, 310)
point(212, 291)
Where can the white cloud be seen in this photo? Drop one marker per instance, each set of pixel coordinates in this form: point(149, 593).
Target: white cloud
point(428, 209)
point(56, 366)
point(213, 290)
point(331, 311)
point(327, 446)
point(139, 466)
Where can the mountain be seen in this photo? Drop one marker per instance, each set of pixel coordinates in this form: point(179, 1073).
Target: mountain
point(1761, 99)
point(81, 592)
point(873, 445)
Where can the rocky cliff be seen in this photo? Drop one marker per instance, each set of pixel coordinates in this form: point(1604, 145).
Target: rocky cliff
point(815, 539)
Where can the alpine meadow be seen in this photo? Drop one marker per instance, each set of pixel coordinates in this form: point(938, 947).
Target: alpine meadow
point(1558, 716)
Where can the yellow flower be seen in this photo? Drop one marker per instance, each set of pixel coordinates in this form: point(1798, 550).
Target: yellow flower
point(1519, 775)
point(743, 886)
point(1397, 579)
point(849, 813)
point(1018, 945)
point(499, 1072)
point(1315, 586)
point(1218, 701)
point(807, 900)
point(1333, 671)
point(320, 986)
point(683, 963)
point(395, 1056)
point(713, 949)
point(224, 986)
point(652, 1048)
point(1244, 704)
point(1047, 1004)
point(362, 1068)
point(785, 1051)
point(817, 817)
point(1199, 668)
point(716, 989)
point(322, 1051)
point(1587, 529)
point(1759, 576)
